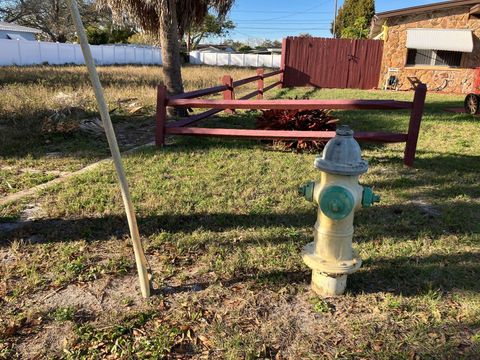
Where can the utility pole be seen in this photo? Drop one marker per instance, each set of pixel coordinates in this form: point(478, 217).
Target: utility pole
point(335, 19)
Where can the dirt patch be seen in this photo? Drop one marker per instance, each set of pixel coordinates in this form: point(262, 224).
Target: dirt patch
point(135, 133)
point(93, 298)
point(50, 340)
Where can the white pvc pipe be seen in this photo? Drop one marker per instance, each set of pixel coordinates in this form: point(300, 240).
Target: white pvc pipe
point(142, 267)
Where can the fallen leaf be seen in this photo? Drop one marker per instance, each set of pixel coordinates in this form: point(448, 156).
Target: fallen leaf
point(135, 109)
point(205, 341)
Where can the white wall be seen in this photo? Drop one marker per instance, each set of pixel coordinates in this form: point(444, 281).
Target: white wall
point(224, 59)
point(18, 52)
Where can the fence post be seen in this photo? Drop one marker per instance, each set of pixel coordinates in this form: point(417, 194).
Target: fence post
point(40, 52)
point(414, 125)
point(229, 93)
point(19, 53)
point(283, 61)
point(161, 115)
point(260, 83)
point(59, 59)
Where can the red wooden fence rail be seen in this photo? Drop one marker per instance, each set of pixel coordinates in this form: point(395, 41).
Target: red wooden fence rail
point(230, 103)
point(293, 104)
point(227, 88)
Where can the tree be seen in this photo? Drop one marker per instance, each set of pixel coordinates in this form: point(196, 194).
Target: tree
point(271, 44)
point(142, 38)
point(109, 34)
point(233, 44)
point(211, 26)
point(355, 15)
point(359, 30)
point(306, 35)
point(168, 19)
point(50, 16)
point(244, 49)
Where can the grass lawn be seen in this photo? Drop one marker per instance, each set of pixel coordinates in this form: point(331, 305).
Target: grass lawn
point(223, 228)
point(41, 108)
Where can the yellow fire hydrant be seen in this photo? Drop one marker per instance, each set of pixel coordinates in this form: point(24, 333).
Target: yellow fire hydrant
point(338, 195)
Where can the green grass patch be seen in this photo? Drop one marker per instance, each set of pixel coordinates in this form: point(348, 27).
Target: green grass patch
point(223, 228)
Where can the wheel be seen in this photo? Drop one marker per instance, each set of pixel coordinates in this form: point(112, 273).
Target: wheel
point(471, 104)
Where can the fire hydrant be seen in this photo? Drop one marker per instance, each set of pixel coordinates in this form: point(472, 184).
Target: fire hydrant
point(338, 195)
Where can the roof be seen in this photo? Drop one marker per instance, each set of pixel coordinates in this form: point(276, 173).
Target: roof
point(377, 20)
point(426, 8)
point(5, 26)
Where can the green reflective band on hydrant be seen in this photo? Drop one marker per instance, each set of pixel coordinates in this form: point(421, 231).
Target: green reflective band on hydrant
point(369, 198)
point(336, 202)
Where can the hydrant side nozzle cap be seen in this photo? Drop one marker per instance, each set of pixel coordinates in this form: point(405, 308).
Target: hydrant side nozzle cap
point(342, 155)
point(369, 197)
point(306, 190)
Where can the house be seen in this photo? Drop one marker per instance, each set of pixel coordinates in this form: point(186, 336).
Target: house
point(267, 51)
point(215, 48)
point(437, 44)
point(17, 32)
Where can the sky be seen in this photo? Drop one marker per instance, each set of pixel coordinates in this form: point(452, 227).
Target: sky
point(275, 19)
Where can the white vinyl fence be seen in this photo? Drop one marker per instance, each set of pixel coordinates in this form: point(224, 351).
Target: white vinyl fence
point(227, 59)
point(19, 52)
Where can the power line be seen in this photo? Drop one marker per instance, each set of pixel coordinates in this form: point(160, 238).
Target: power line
point(297, 12)
point(289, 22)
point(278, 29)
point(278, 11)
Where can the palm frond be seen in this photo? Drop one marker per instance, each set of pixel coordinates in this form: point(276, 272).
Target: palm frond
point(146, 13)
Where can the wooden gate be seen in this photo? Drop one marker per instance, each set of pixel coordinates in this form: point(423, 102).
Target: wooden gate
point(331, 63)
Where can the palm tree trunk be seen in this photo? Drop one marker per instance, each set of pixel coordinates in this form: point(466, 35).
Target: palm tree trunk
point(170, 47)
point(189, 42)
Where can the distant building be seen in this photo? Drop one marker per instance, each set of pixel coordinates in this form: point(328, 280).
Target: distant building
point(267, 51)
point(215, 48)
point(17, 32)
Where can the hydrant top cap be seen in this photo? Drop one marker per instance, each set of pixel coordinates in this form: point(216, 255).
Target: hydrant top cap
point(342, 155)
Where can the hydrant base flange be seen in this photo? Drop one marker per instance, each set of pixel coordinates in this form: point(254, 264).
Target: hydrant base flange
point(330, 267)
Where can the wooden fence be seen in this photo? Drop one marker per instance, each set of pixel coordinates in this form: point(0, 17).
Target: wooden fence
point(229, 103)
point(332, 63)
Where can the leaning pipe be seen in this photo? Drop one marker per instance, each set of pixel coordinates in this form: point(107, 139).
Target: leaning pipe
point(140, 259)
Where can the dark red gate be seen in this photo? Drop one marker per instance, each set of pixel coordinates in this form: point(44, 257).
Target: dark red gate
point(332, 63)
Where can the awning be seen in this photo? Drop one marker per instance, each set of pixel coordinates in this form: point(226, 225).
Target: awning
point(440, 39)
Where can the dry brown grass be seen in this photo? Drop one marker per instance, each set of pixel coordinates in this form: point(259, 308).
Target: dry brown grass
point(33, 96)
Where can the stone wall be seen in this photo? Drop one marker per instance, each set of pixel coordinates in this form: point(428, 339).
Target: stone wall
point(395, 51)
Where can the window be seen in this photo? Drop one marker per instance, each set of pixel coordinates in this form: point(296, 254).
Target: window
point(434, 57)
